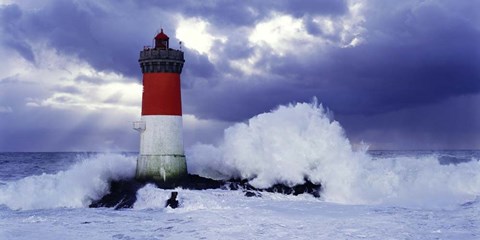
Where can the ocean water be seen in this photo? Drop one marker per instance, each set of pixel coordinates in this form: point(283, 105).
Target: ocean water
point(367, 194)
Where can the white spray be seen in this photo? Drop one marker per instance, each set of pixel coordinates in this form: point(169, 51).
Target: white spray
point(301, 141)
point(75, 187)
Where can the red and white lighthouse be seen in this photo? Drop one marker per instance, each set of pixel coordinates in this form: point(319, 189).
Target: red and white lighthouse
point(162, 158)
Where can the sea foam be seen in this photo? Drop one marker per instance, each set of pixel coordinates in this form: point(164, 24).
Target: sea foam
point(285, 146)
point(76, 187)
point(301, 141)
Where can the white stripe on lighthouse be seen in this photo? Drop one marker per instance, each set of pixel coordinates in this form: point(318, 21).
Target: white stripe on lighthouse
point(162, 135)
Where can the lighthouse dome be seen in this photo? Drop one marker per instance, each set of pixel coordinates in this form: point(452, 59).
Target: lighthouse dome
point(161, 36)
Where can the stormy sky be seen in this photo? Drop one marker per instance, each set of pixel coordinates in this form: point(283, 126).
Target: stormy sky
point(396, 74)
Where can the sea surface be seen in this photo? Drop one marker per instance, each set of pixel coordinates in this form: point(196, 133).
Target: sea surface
point(365, 194)
point(412, 195)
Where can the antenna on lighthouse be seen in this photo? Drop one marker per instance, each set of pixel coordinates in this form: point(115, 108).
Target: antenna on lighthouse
point(180, 43)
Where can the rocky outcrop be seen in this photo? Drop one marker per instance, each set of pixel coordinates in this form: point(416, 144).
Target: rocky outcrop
point(123, 194)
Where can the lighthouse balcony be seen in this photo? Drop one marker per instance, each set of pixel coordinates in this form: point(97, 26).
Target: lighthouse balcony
point(139, 126)
point(155, 54)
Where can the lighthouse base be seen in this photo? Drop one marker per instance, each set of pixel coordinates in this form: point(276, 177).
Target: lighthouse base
point(163, 169)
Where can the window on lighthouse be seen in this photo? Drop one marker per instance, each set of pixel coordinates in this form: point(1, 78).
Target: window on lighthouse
point(162, 44)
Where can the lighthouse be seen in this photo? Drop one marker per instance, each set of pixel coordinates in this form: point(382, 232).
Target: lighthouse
point(162, 157)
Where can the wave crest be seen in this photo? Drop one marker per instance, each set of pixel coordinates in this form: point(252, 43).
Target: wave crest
point(301, 141)
point(76, 187)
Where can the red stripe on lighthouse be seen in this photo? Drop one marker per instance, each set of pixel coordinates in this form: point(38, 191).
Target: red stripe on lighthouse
point(161, 94)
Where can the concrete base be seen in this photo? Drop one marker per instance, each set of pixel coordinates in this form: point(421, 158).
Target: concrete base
point(161, 169)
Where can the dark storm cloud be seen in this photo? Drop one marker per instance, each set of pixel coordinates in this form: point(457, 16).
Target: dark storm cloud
point(410, 57)
point(78, 30)
point(453, 123)
point(249, 12)
point(99, 36)
point(10, 15)
point(232, 102)
point(324, 7)
point(379, 77)
point(82, 29)
point(423, 55)
point(237, 101)
point(222, 13)
point(198, 68)
point(246, 13)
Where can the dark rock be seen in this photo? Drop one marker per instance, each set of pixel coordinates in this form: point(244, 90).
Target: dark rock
point(307, 187)
point(123, 194)
point(243, 184)
point(252, 194)
point(172, 201)
point(196, 182)
point(191, 181)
